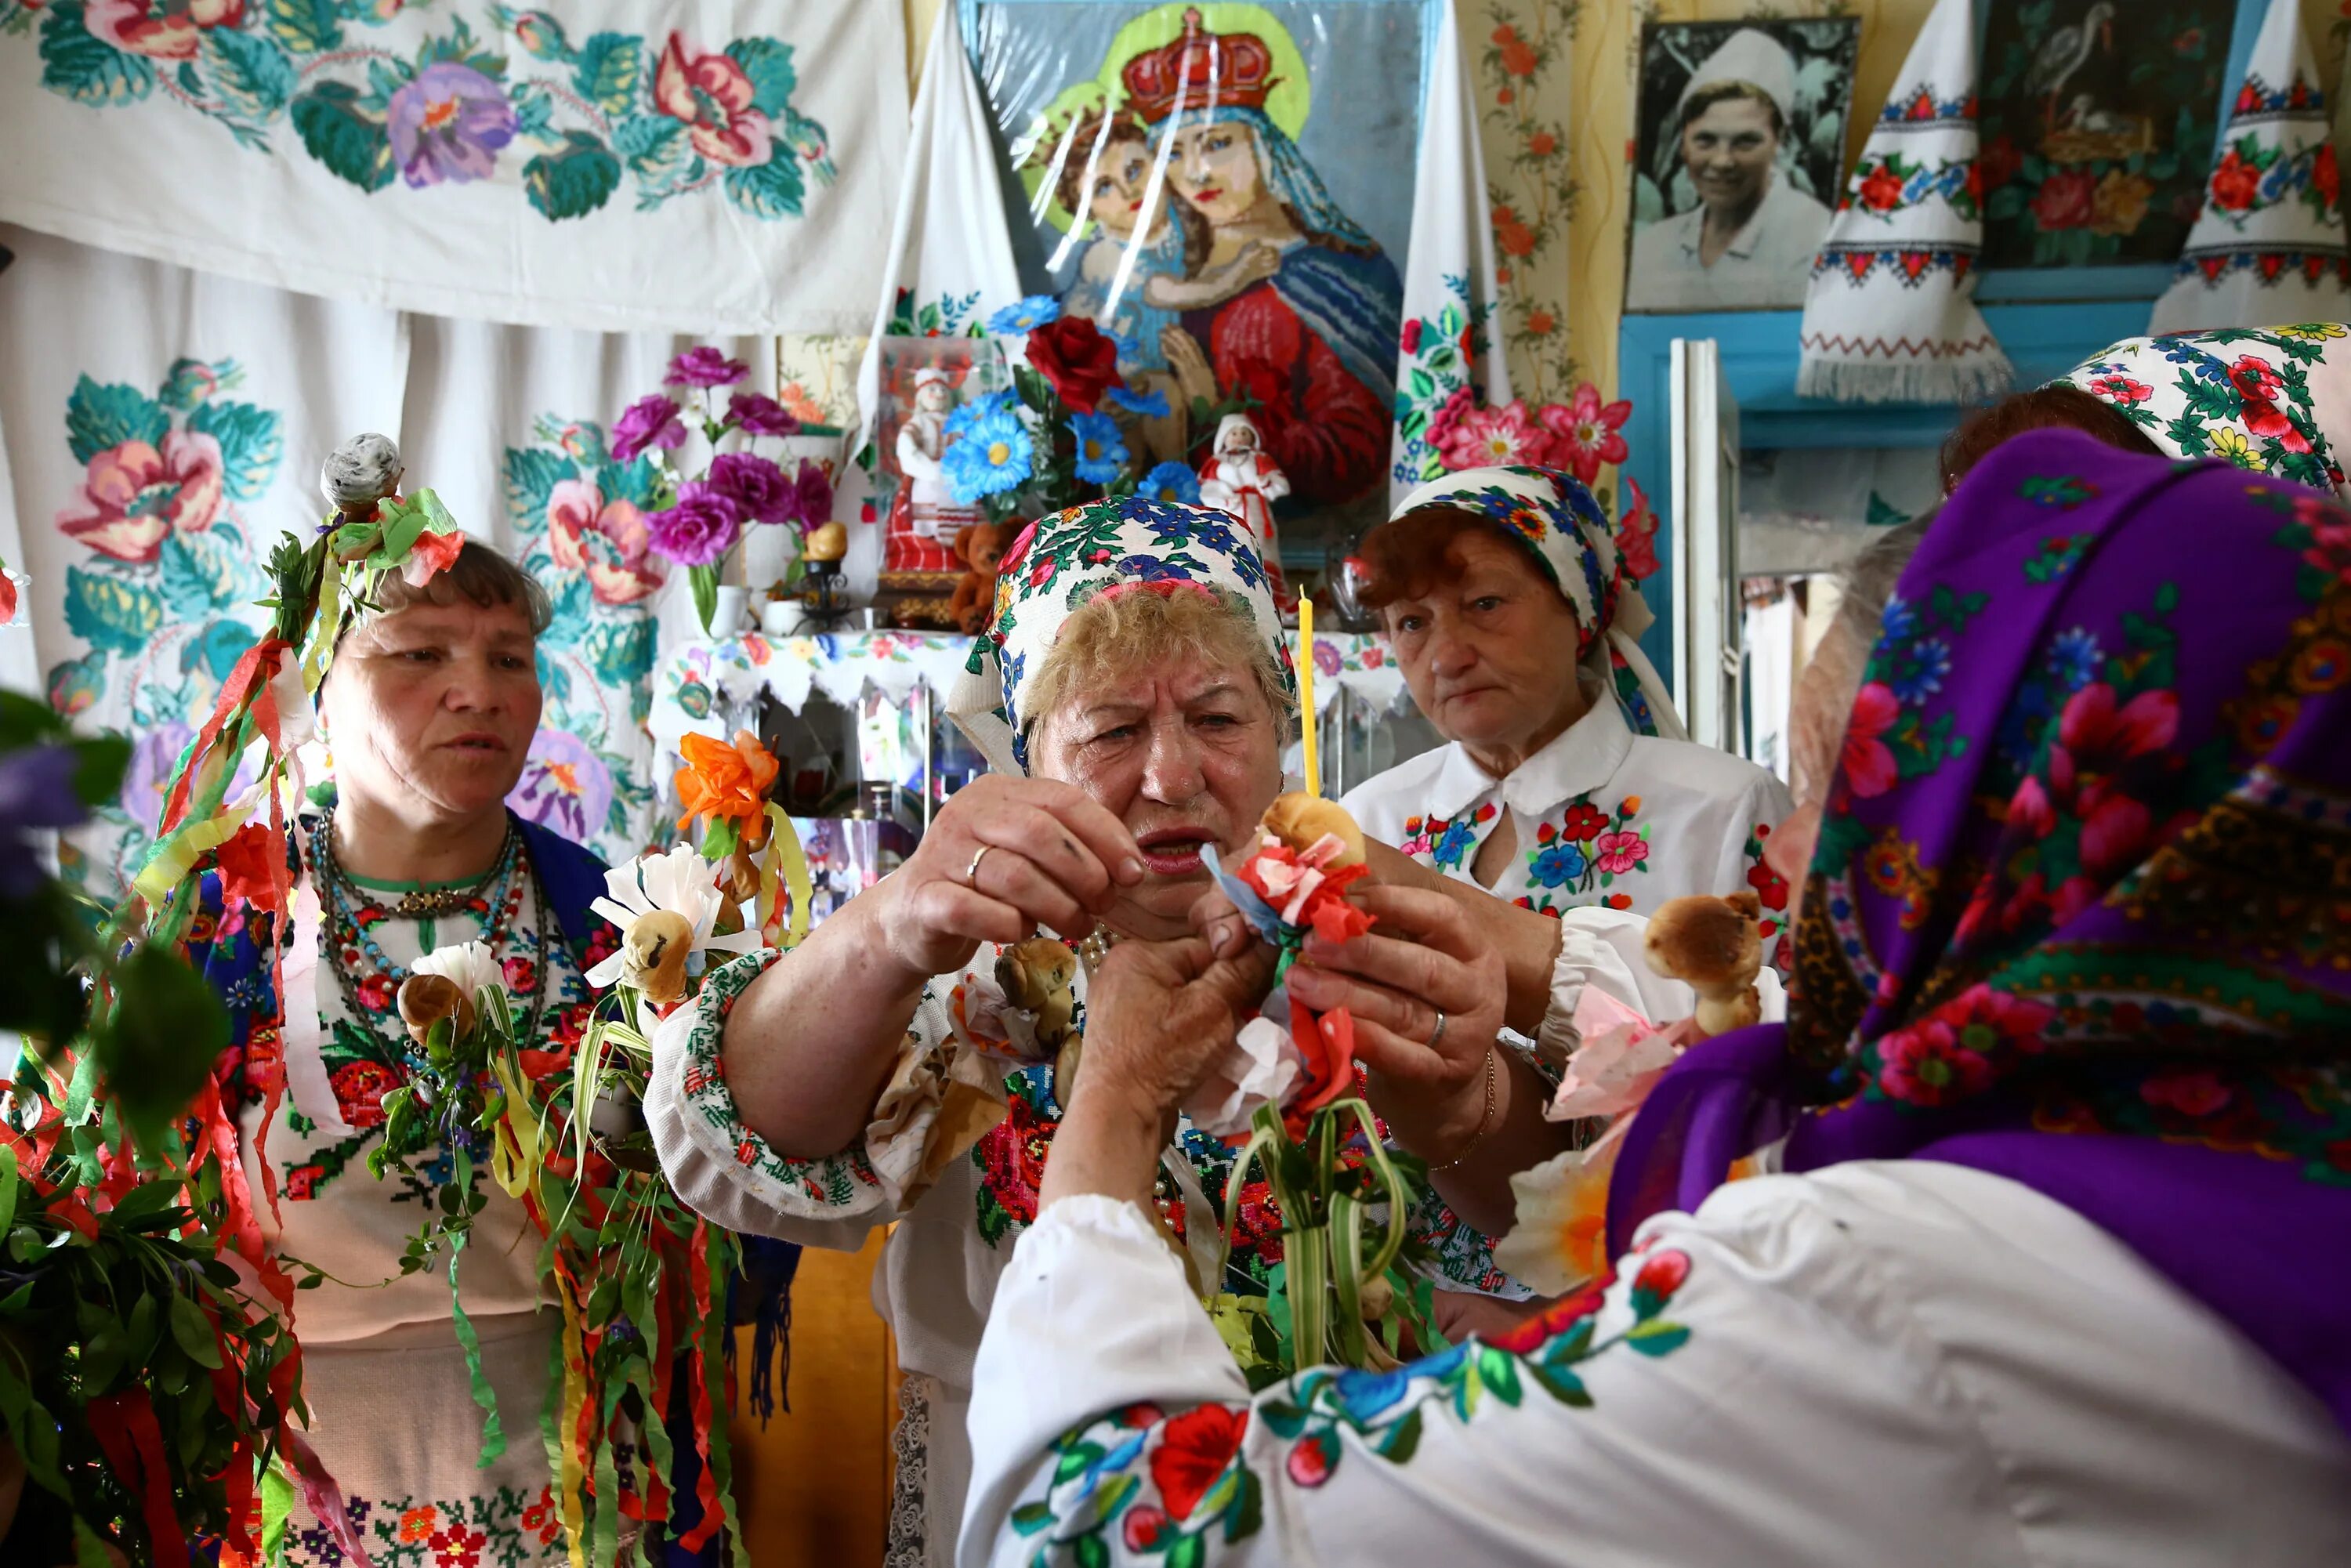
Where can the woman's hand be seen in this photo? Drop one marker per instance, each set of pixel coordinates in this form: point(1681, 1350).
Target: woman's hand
point(1421, 961)
point(1003, 857)
point(1158, 1017)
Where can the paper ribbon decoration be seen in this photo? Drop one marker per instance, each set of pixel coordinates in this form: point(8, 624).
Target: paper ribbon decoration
point(1890, 315)
point(2270, 244)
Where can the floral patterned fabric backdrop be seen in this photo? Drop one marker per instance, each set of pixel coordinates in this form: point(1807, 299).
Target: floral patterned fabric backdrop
point(721, 166)
point(162, 428)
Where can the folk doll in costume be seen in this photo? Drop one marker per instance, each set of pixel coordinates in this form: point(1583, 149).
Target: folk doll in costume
point(2054, 1263)
point(429, 707)
point(925, 516)
point(1134, 694)
point(1239, 479)
point(1565, 784)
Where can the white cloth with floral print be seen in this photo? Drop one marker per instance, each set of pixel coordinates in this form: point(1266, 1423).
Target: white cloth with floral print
point(1890, 1363)
point(954, 1236)
point(1605, 819)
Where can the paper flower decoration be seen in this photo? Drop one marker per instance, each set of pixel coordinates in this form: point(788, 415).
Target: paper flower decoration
point(726, 782)
point(994, 454)
point(1100, 454)
point(1025, 315)
point(667, 907)
point(471, 966)
point(1172, 484)
point(1561, 1241)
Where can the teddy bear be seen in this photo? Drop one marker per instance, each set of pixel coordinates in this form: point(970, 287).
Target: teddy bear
point(981, 546)
point(1715, 945)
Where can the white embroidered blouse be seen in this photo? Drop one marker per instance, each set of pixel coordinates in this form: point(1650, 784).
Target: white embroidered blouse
point(1605, 819)
point(1894, 1364)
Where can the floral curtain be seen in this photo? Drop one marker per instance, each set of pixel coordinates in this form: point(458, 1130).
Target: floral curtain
point(719, 165)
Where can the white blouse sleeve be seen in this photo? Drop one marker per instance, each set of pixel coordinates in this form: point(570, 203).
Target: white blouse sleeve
point(729, 1174)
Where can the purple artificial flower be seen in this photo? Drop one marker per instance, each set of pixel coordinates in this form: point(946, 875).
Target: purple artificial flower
point(705, 367)
point(757, 413)
point(700, 528)
point(756, 484)
point(448, 124)
point(651, 421)
point(37, 791)
point(815, 494)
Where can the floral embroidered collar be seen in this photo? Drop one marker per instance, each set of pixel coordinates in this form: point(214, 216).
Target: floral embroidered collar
point(1581, 758)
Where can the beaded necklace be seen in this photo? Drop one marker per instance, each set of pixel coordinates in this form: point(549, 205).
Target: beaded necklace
point(496, 901)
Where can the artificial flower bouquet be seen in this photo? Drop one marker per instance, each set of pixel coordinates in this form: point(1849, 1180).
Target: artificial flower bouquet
point(1348, 1291)
point(1058, 440)
point(699, 519)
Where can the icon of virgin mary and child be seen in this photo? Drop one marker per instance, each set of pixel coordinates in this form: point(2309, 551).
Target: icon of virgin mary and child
point(1225, 269)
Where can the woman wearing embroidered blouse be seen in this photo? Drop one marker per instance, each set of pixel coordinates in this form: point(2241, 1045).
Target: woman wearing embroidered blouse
point(1503, 596)
point(880, 1072)
point(2059, 1266)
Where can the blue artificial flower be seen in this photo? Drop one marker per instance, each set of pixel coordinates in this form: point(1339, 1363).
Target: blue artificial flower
point(1557, 863)
point(2074, 658)
point(1025, 315)
point(967, 414)
point(1101, 454)
point(1152, 407)
point(994, 455)
point(1173, 483)
point(1922, 676)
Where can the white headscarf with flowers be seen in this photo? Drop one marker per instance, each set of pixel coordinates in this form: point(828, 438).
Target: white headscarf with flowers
point(1556, 518)
point(1068, 559)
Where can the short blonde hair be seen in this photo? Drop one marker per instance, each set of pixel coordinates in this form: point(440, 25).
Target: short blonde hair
point(1135, 626)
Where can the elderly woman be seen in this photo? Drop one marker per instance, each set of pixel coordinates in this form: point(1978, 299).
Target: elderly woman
point(1503, 597)
point(895, 1066)
point(428, 708)
point(1750, 239)
point(2059, 1264)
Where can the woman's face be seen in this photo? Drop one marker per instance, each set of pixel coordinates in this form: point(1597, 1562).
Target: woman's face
point(430, 710)
point(1214, 167)
point(1490, 653)
point(1115, 198)
point(1729, 150)
point(1187, 754)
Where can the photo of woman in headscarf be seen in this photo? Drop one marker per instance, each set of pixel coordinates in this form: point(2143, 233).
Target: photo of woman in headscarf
point(1735, 137)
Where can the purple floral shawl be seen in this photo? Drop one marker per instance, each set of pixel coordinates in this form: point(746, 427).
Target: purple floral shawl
point(2080, 914)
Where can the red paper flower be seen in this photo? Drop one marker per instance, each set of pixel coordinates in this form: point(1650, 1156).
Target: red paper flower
point(245, 872)
point(1586, 432)
point(1072, 355)
point(1194, 1449)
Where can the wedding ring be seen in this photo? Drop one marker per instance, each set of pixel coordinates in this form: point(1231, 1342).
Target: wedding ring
point(1438, 1032)
point(971, 872)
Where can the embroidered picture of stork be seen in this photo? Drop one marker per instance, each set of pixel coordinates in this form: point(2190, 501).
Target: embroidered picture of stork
point(2098, 118)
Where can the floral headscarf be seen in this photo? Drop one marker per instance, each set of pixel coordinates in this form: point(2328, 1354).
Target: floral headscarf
point(1549, 511)
point(2245, 394)
point(1073, 556)
point(2085, 868)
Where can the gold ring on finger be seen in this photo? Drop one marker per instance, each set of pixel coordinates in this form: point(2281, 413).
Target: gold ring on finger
point(971, 872)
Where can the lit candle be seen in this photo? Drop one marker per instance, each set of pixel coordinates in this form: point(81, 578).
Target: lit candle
point(1306, 692)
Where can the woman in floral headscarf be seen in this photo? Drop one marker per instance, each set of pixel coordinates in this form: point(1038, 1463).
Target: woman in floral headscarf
point(2058, 1268)
point(1133, 693)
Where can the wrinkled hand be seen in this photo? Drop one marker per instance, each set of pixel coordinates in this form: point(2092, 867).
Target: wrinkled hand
point(1160, 1015)
point(1421, 956)
point(1056, 857)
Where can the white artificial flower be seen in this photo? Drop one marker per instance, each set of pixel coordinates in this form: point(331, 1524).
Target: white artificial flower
point(1261, 1066)
point(1560, 1242)
point(681, 882)
point(470, 964)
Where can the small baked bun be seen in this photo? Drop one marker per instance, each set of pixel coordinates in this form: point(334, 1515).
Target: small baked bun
point(1300, 820)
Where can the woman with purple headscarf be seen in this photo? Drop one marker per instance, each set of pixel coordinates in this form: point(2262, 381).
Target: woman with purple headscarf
point(2052, 1262)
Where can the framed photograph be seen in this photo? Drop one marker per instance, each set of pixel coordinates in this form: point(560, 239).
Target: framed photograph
point(1738, 152)
point(2098, 123)
point(925, 382)
point(1226, 190)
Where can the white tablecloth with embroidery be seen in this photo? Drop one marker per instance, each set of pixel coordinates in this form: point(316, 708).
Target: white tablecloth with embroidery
point(701, 683)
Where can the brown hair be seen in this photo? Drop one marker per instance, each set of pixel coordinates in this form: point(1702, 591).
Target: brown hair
point(2042, 408)
point(1407, 555)
point(1707, 97)
point(480, 576)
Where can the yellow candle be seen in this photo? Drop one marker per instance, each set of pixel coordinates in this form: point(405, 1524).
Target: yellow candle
point(1306, 692)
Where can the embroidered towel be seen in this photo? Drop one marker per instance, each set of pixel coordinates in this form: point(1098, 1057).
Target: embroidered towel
point(1448, 282)
point(2270, 245)
point(1891, 316)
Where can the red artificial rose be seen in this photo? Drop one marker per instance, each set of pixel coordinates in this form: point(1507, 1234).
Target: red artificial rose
point(1073, 355)
point(1194, 1449)
point(2067, 200)
point(245, 868)
point(2235, 184)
